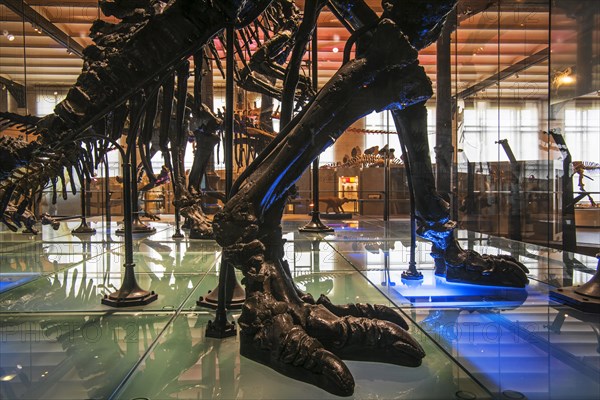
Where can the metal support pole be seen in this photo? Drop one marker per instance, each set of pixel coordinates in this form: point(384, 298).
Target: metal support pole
point(412, 273)
point(221, 328)
point(569, 230)
point(386, 173)
point(183, 74)
point(84, 228)
point(233, 296)
point(178, 234)
point(131, 160)
point(315, 225)
point(514, 210)
point(444, 149)
point(138, 226)
point(130, 294)
point(229, 123)
point(107, 193)
point(569, 233)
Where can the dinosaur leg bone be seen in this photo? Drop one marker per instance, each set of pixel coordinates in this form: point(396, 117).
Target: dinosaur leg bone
point(278, 328)
point(451, 260)
point(360, 87)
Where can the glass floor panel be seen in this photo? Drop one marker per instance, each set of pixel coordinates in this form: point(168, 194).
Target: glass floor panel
point(75, 356)
point(58, 342)
point(434, 291)
point(542, 352)
point(73, 291)
point(187, 365)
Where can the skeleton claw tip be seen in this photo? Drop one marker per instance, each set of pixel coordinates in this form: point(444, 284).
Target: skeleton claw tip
point(339, 378)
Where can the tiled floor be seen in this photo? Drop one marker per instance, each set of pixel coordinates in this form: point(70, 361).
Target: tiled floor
point(58, 342)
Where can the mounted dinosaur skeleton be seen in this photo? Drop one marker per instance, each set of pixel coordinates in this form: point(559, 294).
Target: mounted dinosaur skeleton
point(18, 175)
point(580, 167)
point(277, 22)
point(262, 68)
point(282, 327)
point(364, 161)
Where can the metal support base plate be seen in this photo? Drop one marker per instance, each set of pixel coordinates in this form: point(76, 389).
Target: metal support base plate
point(569, 296)
point(315, 225)
point(84, 229)
point(133, 299)
point(410, 275)
point(212, 299)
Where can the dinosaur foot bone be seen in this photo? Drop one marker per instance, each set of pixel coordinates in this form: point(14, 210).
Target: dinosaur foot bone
point(467, 266)
point(308, 342)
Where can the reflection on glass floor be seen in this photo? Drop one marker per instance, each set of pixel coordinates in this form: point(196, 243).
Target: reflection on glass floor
point(58, 342)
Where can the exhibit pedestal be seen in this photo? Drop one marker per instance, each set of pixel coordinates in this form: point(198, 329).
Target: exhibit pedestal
point(234, 299)
point(84, 228)
point(584, 297)
point(315, 225)
point(130, 294)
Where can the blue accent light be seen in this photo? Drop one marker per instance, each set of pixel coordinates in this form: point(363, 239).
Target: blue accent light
point(435, 291)
point(9, 281)
point(438, 237)
point(268, 200)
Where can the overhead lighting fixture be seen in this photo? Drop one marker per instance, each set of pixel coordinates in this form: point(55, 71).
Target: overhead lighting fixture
point(7, 378)
point(335, 50)
point(8, 35)
point(566, 79)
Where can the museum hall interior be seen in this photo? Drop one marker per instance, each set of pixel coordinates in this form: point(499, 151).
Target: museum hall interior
point(300, 199)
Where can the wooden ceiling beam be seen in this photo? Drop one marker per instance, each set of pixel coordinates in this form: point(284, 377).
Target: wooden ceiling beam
point(25, 11)
point(515, 68)
point(63, 3)
point(16, 90)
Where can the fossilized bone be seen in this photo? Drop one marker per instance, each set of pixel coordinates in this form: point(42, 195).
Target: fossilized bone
point(366, 161)
point(580, 167)
point(262, 68)
point(86, 104)
point(266, 64)
point(19, 177)
point(257, 74)
point(334, 204)
point(295, 335)
point(24, 123)
point(283, 330)
point(136, 54)
point(16, 153)
point(278, 328)
point(109, 38)
point(432, 211)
